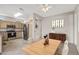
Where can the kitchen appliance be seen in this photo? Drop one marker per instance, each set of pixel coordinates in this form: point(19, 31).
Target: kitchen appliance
point(11, 33)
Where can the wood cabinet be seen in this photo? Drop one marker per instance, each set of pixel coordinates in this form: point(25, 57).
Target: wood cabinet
point(3, 24)
point(18, 28)
point(19, 35)
point(57, 36)
point(0, 44)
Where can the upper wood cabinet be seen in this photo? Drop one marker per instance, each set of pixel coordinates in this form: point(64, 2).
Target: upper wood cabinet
point(3, 24)
point(19, 25)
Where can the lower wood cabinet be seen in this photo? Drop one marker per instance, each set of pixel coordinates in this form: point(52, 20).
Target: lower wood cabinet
point(0, 44)
point(19, 35)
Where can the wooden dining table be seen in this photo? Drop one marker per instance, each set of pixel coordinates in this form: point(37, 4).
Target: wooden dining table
point(37, 48)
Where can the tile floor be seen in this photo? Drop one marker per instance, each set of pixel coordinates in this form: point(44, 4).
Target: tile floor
point(14, 47)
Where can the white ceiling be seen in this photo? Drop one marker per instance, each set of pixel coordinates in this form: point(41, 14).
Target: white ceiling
point(29, 9)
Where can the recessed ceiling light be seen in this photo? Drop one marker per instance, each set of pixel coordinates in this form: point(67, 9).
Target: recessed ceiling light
point(18, 14)
point(21, 9)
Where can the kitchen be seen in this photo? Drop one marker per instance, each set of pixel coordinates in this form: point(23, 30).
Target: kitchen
point(10, 30)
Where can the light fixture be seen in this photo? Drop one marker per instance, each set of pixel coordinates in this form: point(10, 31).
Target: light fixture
point(18, 14)
point(45, 7)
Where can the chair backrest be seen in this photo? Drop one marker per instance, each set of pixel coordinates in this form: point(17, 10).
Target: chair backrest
point(65, 48)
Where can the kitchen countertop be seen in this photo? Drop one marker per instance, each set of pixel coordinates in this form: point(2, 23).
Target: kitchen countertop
point(4, 30)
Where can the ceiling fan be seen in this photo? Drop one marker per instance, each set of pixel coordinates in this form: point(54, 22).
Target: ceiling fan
point(45, 7)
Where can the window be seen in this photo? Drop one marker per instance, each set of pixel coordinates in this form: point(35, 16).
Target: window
point(58, 23)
